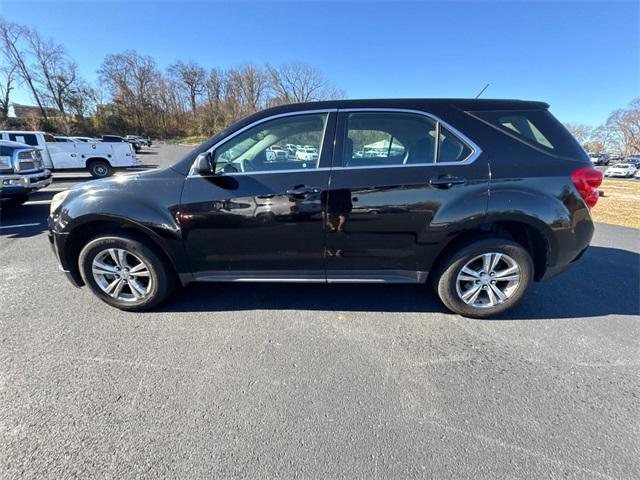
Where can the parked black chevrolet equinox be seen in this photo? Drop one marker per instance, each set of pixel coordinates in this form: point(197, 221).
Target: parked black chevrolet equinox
point(477, 197)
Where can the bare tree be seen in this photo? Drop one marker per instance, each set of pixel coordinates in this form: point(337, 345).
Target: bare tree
point(132, 80)
point(623, 127)
point(11, 36)
point(191, 78)
point(7, 82)
point(55, 74)
point(581, 132)
point(249, 85)
point(299, 82)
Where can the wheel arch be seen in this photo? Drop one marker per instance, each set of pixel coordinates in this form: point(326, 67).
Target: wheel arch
point(97, 226)
point(531, 233)
point(91, 160)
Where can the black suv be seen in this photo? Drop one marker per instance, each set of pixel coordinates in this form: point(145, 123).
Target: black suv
point(477, 197)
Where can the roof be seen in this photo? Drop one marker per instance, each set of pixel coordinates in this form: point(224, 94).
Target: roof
point(425, 103)
point(23, 131)
point(9, 143)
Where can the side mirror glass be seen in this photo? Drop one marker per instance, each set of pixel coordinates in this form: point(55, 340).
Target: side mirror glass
point(203, 164)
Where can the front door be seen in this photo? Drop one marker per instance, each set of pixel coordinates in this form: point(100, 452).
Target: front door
point(259, 214)
point(400, 183)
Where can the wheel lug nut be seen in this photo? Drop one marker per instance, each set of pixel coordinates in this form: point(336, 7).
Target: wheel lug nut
point(492, 273)
point(493, 282)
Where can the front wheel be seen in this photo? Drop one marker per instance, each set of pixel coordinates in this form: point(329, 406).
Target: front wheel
point(125, 273)
point(484, 278)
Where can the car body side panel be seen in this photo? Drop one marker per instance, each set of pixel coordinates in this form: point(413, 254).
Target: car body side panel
point(147, 202)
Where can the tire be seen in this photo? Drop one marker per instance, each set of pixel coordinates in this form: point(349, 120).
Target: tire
point(450, 287)
point(159, 283)
point(15, 201)
point(100, 169)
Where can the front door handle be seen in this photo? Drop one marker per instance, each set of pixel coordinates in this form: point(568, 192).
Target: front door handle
point(303, 190)
point(446, 181)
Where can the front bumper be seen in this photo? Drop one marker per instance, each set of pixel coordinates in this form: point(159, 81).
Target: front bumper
point(59, 244)
point(23, 183)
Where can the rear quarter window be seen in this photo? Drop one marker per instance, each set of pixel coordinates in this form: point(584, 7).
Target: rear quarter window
point(537, 128)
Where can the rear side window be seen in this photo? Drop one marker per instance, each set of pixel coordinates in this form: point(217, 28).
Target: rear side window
point(450, 149)
point(28, 138)
point(535, 127)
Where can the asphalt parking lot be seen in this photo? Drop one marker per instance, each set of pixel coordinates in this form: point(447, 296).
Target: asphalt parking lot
point(316, 381)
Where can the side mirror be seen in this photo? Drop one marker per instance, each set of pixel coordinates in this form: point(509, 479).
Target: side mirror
point(203, 164)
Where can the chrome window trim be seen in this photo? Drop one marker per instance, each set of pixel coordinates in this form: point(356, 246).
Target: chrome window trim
point(258, 122)
point(476, 151)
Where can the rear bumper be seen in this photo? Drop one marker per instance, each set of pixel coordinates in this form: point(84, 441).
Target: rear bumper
point(23, 184)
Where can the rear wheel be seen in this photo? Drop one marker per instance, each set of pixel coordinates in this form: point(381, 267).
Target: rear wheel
point(100, 169)
point(125, 273)
point(485, 278)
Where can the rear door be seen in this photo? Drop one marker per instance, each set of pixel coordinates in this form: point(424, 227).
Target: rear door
point(257, 216)
point(401, 183)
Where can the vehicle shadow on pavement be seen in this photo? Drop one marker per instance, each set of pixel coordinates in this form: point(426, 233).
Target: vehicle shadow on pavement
point(605, 281)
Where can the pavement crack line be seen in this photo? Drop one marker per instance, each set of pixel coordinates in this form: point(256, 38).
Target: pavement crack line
point(516, 448)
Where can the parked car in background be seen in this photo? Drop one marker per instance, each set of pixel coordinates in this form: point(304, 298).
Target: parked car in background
point(61, 139)
point(307, 153)
point(277, 153)
point(22, 172)
point(635, 161)
point(143, 141)
point(86, 139)
point(599, 158)
point(101, 159)
point(479, 214)
point(118, 139)
point(624, 170)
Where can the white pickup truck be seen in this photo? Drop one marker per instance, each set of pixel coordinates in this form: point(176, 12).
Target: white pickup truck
point(100, 158)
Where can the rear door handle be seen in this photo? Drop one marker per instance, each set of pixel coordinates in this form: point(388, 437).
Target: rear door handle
point(303, 190)
point(447, 181)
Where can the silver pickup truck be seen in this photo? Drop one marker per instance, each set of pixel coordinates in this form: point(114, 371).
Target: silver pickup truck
point(21, 172)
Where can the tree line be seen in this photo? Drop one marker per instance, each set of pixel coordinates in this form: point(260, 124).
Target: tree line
point(620, 134)
point(134, 95)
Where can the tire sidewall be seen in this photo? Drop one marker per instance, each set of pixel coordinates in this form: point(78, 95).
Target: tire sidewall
point(107, 168)
point(157, 270)
point(446, 284)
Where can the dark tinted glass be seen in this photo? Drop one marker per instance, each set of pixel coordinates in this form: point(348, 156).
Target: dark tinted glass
point(451, 149)
point(28, 138)
point(537, 128)
point(388, 138)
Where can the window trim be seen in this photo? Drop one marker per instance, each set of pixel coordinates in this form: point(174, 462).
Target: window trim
point(476, 151)
point(328, 111)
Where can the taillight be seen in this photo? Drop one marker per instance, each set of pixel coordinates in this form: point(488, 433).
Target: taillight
point(587, 180)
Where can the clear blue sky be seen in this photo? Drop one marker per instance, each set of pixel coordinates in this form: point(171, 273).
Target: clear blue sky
point(581, 57)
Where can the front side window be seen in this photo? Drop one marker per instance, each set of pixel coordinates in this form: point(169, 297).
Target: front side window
point(28, 138)
point(259, 149)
